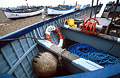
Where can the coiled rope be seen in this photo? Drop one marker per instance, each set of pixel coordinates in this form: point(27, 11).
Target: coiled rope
point(90, 53)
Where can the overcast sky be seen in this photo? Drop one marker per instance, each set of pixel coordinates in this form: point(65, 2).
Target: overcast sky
point(14, 3)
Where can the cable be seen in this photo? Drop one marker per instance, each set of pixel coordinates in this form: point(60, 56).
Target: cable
point(112, 45)
point(28, 37)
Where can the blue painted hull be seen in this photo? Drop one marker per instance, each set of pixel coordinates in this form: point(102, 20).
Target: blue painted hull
point(16, 56)
point(59, 11)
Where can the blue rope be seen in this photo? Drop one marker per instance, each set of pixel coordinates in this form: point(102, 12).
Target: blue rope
point(90, 53)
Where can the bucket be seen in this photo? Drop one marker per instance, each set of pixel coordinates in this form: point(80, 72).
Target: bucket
point(71, 22)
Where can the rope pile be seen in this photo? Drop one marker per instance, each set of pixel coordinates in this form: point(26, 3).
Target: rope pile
point(90, 53)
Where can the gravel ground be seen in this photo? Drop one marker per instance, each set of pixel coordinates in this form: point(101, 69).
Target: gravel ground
point(7, 25)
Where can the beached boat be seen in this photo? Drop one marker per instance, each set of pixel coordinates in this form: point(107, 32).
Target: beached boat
point(18, 49)
point(61, 9)
point(19, 13)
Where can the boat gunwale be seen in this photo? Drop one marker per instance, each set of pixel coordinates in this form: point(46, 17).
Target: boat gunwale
point(29, 28)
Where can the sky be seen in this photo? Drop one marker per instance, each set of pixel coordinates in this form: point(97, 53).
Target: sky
point(14, 3)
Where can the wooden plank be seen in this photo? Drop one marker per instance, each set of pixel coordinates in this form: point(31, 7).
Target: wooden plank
point(21, 59)
point(64, 53)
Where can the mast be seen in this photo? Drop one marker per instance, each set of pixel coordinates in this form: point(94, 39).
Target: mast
point(76, 3)
point(26, 3)
point(64, 2)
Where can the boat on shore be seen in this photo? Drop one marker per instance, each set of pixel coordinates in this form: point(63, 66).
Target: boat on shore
point(18, 49)
point(19, 13)
point(61, 9)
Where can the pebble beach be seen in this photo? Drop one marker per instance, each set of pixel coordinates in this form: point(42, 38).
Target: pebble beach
point(11, 25)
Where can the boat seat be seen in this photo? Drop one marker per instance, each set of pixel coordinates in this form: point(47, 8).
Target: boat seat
point(103, 21)
point(86, 65)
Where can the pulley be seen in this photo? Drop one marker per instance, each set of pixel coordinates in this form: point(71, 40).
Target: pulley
point(92, 27)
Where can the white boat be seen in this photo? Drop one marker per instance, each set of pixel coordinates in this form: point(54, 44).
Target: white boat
point(19, 14)
point(60, 10)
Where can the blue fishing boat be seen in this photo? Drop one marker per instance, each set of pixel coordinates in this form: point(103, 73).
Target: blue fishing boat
point(18, 49)
point(61, 9)
point(26, 12)
point(23, 11)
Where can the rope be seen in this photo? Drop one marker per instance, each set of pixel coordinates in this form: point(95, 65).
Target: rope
point(90, 53)
point(28, 37)
point(102, 59)
point(60, 57)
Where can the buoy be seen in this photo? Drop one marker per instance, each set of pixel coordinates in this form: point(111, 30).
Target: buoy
point(45, 64)
point(49, 29)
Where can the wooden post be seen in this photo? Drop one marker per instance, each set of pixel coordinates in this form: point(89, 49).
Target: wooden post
point(110, 26)
point(91, 8)
point(115, 10)
point(111, 8)
point(96, 8)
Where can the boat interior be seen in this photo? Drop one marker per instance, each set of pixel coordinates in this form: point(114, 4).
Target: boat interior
point(18, 49)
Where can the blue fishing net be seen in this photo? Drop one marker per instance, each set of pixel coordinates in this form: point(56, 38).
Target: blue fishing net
point(90, 53)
